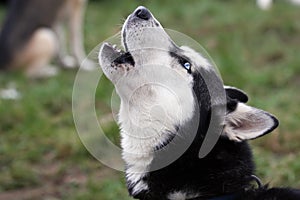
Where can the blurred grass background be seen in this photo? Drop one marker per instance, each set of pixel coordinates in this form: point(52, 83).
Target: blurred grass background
point(41, 156)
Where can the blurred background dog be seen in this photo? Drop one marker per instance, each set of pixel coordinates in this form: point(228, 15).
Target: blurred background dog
point(34, 32)
point(266, 4)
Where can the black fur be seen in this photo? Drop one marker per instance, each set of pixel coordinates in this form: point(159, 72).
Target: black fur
point(266, 193)
point(234, 93)
point(125, 58)
point(226, 170)
point(225, 173)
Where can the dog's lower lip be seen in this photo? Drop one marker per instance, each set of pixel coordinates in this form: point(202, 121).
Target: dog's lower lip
point(121, 57)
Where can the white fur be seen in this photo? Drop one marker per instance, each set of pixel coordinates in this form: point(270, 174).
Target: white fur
point(231, 87)
point(146, 119)
point(156, 93)
point(139, 187)
point(196, 57)
point(179, 195)
point(157, 96)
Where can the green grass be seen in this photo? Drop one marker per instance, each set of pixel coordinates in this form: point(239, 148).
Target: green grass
point(41, 155)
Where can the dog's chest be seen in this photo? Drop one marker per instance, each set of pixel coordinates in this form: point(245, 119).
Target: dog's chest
point(148, 118)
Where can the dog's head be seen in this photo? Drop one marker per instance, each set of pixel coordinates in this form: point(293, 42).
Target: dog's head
point(153, 70)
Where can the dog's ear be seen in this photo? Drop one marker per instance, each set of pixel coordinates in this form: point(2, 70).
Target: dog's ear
point(246, 123)
point(236, 94)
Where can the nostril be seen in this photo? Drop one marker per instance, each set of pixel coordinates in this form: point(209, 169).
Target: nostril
point(143, 13)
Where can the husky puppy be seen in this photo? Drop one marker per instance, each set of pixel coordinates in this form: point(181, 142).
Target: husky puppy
point(166, 100)
point(33, 34)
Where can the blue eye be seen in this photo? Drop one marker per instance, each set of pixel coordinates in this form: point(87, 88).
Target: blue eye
point(183, 62)
point(187, 66)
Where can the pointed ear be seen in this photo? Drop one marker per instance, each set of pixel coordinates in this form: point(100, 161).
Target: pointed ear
point(246, 123)
point(237, 94)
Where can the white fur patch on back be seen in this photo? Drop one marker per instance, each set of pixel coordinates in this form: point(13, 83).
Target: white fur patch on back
point(179, 195)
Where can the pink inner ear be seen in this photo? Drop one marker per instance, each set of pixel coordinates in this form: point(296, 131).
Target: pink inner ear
point(246, 123)
point(251, 123)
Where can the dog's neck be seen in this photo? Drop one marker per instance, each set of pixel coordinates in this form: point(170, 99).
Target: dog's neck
point(138, 144)
point(146, 124)
point(150, 115)
point(226, 170)
point(213, 174)
point(208, 177)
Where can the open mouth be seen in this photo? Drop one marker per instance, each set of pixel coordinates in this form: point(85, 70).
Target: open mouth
point(124, 58)
point(138, 21)
point(117, 56)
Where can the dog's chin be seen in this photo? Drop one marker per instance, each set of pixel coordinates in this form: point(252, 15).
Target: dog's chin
point(111, 57)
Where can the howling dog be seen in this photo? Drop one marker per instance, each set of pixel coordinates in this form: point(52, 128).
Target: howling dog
point(33, 34)
point(168, 101)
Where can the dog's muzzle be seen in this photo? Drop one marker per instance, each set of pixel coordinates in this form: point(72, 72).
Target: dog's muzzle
point(140, 31)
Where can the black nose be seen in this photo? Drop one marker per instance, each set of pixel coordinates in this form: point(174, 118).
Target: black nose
point(143, 13)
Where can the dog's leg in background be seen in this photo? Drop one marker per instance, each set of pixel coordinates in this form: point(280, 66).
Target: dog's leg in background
point(75, 24)
point(63, 58)
point(76, 17)
point(38, 53)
